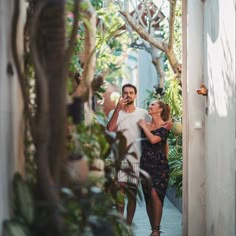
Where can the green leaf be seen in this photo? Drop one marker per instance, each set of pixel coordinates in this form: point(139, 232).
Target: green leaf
point(23, 199)
point(14, 228)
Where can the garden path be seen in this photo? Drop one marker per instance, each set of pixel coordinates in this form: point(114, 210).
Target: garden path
point(171, 224)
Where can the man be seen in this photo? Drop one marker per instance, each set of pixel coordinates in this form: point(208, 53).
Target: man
point(124, 118)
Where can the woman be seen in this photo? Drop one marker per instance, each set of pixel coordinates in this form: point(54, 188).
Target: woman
point(154, 162)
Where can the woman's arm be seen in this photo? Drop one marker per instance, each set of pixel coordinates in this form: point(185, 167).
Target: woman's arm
point(167, 149)
point(151, 137)
point(168, 125)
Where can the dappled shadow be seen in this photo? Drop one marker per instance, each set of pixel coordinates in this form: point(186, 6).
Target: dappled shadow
point(221, 91)
point(218, 61)
point(219, 73)
point(213, 19)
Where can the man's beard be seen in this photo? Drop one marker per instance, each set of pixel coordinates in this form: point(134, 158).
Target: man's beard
point(129, 102)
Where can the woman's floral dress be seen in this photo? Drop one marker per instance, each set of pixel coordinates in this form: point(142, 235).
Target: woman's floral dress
point(155, 163)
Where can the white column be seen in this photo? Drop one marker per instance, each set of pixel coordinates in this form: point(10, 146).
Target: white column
point(194, 221)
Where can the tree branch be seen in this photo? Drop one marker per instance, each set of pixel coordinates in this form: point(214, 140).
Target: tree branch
point(16, 60)
point(171, 24)
point(138, 14)
point(73, 36)
point(89, 17)
point(167, 48)
point(157, 63)
point(144, 34)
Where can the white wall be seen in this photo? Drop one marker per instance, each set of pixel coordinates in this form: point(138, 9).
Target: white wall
point(219, 73)
point(6, 154)
point(10, 114)
point(194, 216)
point(210, 150)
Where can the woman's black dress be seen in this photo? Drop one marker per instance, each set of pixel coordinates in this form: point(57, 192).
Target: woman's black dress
point(155, 163)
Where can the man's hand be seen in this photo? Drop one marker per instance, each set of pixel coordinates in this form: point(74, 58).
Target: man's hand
point(121, 103)
point(112, 123)
point(168, 125)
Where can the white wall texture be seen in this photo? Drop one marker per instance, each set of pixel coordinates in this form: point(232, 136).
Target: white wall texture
point(6, 154)
point(10, 113)
point(219, 76)
point(194, 121)
point(209, 122)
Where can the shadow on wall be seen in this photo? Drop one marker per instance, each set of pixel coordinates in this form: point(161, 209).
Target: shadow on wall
point(220, 75)
point(214, 20)
point(219, 64)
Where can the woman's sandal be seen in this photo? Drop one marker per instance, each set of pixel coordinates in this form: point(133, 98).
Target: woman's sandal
point(156, 231)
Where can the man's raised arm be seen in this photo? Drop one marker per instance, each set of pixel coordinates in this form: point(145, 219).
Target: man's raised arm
point(112, 123)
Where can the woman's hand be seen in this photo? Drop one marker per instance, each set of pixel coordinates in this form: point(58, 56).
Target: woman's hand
point(142, 123)
point(168, 125)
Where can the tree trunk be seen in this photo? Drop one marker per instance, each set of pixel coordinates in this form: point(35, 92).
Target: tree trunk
point(84, 90)
point(174, 63)
point(49, 131)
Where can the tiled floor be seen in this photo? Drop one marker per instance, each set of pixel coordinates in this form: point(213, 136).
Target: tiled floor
point(171, 224)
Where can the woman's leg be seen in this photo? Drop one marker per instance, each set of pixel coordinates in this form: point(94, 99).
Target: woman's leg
point(148, 202)
point(149, 212)
point(156, 212)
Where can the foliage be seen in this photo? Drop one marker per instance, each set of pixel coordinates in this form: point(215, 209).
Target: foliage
point(97, 196)
point(112, 41)
point(111, 46)
point(24, 210)
point(92, 141)
point(175, 159)
point(97, 4)
point(76, 67)
point(87, 207)
point(94, 201)
point(172, 95)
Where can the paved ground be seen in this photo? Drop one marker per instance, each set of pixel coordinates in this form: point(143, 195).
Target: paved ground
point(171, 224)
